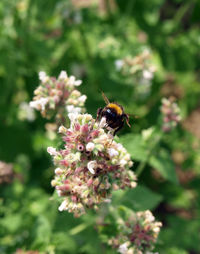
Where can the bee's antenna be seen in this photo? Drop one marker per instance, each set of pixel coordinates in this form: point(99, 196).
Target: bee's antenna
point(105, 98)
point(127, 119)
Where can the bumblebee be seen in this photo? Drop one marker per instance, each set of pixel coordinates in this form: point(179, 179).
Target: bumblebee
point(114, 115)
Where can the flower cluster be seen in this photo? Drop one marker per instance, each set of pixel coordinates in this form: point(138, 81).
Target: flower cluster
point(25, 112)
point(6, 172)
point(90, 166)
point(58, 96)
point(139, 69)
point(137, 234)
point(171, 114)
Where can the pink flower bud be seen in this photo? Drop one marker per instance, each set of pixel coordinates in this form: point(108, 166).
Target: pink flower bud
point(84, 129)
point(80, 147)
point(89, 182)
point(74, 198)
point(77, 127)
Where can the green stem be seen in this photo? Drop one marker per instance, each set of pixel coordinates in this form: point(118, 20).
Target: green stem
point(150, 152)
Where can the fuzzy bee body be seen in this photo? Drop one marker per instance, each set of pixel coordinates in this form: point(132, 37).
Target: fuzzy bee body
point(114, 115)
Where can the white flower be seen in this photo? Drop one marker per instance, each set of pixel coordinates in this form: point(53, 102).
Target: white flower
point(119, 147)
point(72, 117)
point(149, 216)
point(147, 74)
point(62, 129)
point(43, 76)
point(52, 151)
point(123, 248)
point(72, 109)
point(82, 98)
point(156, 229)
point(63, 206)
point(122, 162)
point(71, 80)
point(146, 134)
point(58, 171)
point(39, 104)
point(91, 166)
point(112, 152)
point(26, 112)
point(90, 146)
point(63, 75)
point(118, 64)
point(77, 82)
point(102, 122)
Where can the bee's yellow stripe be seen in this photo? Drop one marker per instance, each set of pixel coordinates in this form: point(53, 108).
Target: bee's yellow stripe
point(116, 107)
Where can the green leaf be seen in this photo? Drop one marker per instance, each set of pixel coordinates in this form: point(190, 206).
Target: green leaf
point(63, 242)
point(135, 145)
point(41, 232)
point(140, 198)
point(163, 163)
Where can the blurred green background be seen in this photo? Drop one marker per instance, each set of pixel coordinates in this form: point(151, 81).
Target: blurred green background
point(87, 38)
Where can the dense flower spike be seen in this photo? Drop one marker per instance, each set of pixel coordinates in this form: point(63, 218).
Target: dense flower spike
point(58, 96)
point(137, 234)
point(171, 114)
point(140, 69)
point(90, 166)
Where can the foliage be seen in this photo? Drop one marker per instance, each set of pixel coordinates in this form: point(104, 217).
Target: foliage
point(102, 44)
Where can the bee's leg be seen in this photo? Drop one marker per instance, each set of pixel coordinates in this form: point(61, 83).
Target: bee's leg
point(118, 128)
point(98, 114)
point(127, 119)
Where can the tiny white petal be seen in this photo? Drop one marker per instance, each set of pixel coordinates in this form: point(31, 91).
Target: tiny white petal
point(123, 162)
point(39, 104)
point(59, 192)
point(91, 166)
point(43, 102)
point(123, 248)
point(33, 104)
point(62, 129)
point(119, 147)
point(63, 75)
point(90, 146)
point(77, 82)
point(63, 206)
point(102, 122)
point(70, 108)
point(71, 80)
point(72, 116)
point(118, 64)
point(58, 171)
point(147, 74)
point(112, 152)
point(42, 76)
point(52, 151)
point(82, 98)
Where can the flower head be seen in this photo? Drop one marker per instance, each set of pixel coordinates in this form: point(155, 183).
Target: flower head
point(171, 114)
point(138, 70)
point(58, 96)
point(91, 165)
point(136, 234)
